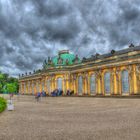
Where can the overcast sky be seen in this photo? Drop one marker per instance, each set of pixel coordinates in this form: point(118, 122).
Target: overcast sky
point(32, 30)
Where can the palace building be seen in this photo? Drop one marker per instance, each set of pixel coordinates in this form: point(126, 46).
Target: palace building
point(116, 73)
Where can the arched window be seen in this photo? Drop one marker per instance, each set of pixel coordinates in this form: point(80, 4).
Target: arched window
point(80, 85)
point(107, 82)
point(59, 83)
point(125, 81)
point(92, 84)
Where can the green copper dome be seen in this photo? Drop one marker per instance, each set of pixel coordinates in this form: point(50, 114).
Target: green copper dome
point(64, 58)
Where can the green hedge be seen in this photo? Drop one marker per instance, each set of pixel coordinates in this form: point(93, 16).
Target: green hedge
point(3, 104)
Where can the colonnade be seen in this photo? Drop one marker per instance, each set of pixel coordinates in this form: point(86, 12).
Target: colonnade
point(122, 80)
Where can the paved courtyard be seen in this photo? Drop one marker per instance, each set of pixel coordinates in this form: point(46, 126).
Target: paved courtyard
point(71, 118)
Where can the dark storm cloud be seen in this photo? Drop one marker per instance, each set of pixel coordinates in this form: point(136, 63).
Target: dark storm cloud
point(52, 9)
point(30, 31)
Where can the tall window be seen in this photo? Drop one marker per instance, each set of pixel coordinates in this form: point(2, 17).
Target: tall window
point(80, 85)
point(92, 84)
point(125, 81)
point(107, 82)
point(59, 83)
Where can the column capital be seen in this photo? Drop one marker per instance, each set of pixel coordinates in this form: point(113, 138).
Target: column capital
point(75, 76)
point(85, 75)
point(98, 74)
point(138, 68)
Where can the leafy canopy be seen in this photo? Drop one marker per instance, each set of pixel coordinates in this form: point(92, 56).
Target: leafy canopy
point(8, 84)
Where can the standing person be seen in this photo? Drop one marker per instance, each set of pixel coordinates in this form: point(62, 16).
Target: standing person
point(38, 96)
point(45, 94)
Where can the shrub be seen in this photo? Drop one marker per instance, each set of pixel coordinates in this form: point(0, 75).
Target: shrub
point(3, 104)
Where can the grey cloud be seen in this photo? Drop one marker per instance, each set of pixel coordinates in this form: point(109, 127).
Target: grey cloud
point(30, 31)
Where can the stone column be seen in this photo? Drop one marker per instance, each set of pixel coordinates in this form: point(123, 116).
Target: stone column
point(85, 81)
point(34, 83)
point(137, 73)
point(48, 85)
point(88, 84)
point(63, 84)
point(43, 85)
point(25, 87)
point(115, 82)
point(96, 82)
point(66, 77)
point(37, 86)
point(112, 82)
point(71, 82)
point(32, 87)
point(40, 85)
point(102, 81)
point(53, 82)
point(68, 82)
point(99, 81)
point(28, 86)
point(118, 81)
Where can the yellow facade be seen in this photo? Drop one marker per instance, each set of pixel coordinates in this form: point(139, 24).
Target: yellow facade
point(113, 74)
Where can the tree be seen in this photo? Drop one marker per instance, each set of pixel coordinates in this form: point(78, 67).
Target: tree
point(8, 84)
point(6, 76)
point(1, 87)
point(11, 88)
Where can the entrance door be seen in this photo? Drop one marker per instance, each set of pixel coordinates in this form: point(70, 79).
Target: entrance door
point(60, 83)
point(92, 84)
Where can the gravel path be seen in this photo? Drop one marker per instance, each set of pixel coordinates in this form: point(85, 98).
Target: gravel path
point(71, 118)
